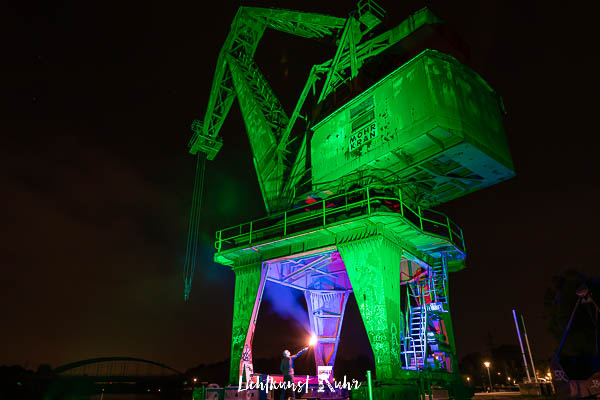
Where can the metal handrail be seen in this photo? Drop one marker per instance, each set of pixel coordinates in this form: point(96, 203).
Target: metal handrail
point(343, 203)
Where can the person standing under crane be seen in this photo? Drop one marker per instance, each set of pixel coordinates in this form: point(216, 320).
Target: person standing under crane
point(287, 369)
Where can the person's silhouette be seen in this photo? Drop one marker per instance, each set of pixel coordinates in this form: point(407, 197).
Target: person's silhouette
point(287, 369)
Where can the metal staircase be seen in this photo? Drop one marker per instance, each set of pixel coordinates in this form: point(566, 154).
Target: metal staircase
point(425, 299)
point(437, 281)
point(415, 349)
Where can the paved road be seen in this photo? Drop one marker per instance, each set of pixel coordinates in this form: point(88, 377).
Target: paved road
point(504, 396)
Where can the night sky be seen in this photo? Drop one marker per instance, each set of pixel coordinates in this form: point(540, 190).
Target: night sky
point(97, 181)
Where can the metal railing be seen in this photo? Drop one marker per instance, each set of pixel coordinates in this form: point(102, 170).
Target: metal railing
point(364, 201)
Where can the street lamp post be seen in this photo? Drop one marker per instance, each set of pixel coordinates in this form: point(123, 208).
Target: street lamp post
point(487, 365)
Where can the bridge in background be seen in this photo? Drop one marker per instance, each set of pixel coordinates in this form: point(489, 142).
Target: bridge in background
point(115, 377)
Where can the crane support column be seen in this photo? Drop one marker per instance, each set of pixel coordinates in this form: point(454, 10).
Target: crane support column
point(249, 286)
point(326, 314)
point(373, 266)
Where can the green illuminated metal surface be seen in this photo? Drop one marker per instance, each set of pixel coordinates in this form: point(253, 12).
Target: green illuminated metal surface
point(432, 127)
point(246, 31)
point(249, 285)
point(352, 52)
point(427, 133)
point(375, 248)
point(267, 125)
point(373, 268)
point(265, 119)
point(422, 227)
point(372, 259)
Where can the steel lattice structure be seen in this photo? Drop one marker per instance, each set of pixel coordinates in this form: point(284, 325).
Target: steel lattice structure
point(424, 131)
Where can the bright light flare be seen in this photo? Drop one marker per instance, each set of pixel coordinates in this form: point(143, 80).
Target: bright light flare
point(312, 341)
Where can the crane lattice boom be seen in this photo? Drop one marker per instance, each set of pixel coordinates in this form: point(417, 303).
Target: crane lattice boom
point(269, 128)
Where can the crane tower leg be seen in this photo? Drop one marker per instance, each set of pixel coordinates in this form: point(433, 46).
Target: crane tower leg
point(326, 314)
point(249, 286)
point(373, 266)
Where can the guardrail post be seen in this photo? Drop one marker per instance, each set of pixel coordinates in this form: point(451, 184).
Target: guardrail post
point(401, 203)
point(369, 385)
point(420, 218)
point(449, 228)
point(218, 242)
point(250, 240)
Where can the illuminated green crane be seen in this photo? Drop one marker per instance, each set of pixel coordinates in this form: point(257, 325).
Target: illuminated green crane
point(395, 127)
point(268, 126)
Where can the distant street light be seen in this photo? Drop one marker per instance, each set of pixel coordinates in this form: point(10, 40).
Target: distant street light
point(487, 365)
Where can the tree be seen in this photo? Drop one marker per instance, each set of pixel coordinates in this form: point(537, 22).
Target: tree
point(559, 303)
